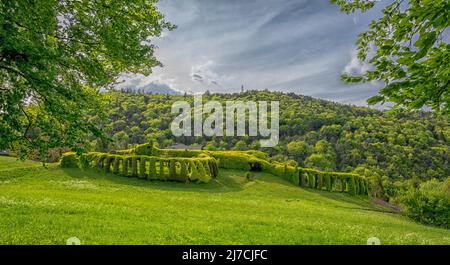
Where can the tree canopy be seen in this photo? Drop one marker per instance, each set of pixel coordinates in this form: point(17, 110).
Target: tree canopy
point(55, 56)
point(408, 47)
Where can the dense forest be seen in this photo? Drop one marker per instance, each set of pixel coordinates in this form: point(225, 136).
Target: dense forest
point(389, 146)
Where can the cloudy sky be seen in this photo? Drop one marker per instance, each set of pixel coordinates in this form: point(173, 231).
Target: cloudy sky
point(299, 46)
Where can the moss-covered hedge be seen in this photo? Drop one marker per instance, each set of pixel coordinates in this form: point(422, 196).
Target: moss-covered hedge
point(69, 160)
point(333, 181)
point(183, 169)
point(148, 162)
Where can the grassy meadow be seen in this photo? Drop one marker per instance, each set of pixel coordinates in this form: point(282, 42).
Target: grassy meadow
point(48, 205)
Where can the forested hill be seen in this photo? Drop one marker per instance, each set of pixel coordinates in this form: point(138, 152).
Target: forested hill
point(314, 133)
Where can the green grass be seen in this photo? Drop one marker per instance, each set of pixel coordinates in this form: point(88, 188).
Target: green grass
point(48, 205)
point(10, 163)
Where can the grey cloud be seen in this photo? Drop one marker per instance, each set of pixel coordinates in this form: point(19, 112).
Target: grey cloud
point(287, 45)
point(197, 77)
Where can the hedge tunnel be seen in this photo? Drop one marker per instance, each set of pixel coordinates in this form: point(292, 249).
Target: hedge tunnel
point(201, 169)
point(151, 163)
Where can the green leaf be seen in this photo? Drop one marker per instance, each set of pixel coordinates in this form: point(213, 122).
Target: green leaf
point(375, 99)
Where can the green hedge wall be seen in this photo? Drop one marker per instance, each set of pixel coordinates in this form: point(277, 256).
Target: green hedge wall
point(152, 169)
point(328, 182)
point(232, 160)
point(183, 169)
point(116, 165)
point(69, 160)
point(149, 162)
point(161, 175)
point(333, 181)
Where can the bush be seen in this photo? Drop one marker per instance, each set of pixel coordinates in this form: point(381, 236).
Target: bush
point(213, 168)
point(134, 168)
point(301, 180)
point(116, 164)
point(152, 169)
point(142, 167)
point(125, 163)
point(292, 163)
point(311, 180)
point(206, 166)
point(343, 182)
point(184, 171)
point(107, 164)
point(291, 174)
point(144, 149)
point(429, 204)
point(276, 169)
point(363, 189)
point(320, 182)
point(69, 160)
point(204, 177)
point(194, 176)
point(258, 154)
point(99, 159)
point(176, 152)
point(357, 186)
point(233, 160)
point(172, 170)
point(351, 185)
point(86, 160)
point(328, 182)
point(317, 180)
point(162, 175)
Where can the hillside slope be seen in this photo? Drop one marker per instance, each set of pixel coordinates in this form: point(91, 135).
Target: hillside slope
point(313, 132)
point(47, 206)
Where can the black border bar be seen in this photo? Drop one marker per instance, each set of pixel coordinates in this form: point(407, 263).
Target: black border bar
point(234, 254)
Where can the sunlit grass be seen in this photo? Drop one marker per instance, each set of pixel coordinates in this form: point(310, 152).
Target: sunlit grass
point(47, 206)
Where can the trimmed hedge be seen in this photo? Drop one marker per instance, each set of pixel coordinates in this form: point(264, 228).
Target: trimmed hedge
point(134, 168)
point(143, 168)
point(161, 175)
point(232, 160)
point(149, 162)
point(204, 177)
point(144, 149)
point(152, 169)
point(195, 175)
point(351, 186)
point(333, 181)
point(69, 160)
point(328, 182)
point(116, 165)
point(183, 169)
point(311, 180)
point(126, 164)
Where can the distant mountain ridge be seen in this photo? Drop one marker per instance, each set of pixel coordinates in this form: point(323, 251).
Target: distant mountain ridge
point(153, 88)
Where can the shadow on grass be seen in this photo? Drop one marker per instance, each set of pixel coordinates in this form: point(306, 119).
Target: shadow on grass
point(231, 182)
point(227, 181)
